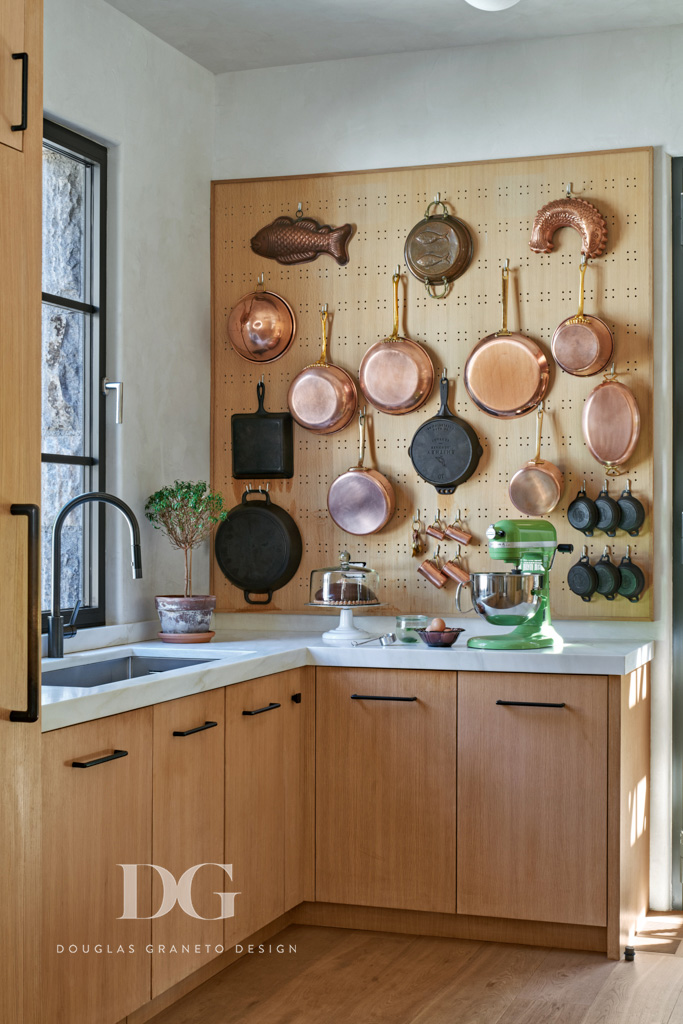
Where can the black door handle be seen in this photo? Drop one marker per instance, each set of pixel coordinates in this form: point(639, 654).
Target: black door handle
point(23, 57)
point(32, 513)
point(100, 760)
point(527, 704)
point(366, 696)
point(259, 711)
point(200, 728)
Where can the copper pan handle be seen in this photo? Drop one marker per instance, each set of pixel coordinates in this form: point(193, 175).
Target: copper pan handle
point(504, 325)
point(361, 425)
point(580, 318)
point(396, 278)
point(323, 323)
point(539, 423)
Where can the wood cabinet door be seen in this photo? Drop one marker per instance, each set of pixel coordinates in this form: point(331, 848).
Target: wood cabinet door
point(268, 797)
point(385, 788)
point(96, 968)
point(188, 830)
point(532, 797)
point(12, 41)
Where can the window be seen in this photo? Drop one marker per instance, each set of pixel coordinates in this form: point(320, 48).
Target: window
point(74, 218)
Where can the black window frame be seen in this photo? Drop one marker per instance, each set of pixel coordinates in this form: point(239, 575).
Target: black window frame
point(92, 153)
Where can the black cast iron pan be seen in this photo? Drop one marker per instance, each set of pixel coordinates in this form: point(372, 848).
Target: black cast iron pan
point(445, 450)
point(258, 547)
point(262, 443)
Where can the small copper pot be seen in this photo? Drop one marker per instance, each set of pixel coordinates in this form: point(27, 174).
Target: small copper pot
point(361, 501)
point(582, 345)
point(323, 398)
point(261, 326)
point(536, 488)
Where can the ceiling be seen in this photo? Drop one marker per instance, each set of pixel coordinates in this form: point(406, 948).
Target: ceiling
point(236, 35)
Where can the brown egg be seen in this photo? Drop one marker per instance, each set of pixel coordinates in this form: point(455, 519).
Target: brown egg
point(436, 626)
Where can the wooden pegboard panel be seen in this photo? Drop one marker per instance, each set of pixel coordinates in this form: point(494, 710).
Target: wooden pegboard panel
point(498, 201)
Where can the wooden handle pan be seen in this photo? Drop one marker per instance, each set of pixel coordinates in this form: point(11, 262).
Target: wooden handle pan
point(361, 501)
point(323, 397)
point(536, 488)
point(582, 345)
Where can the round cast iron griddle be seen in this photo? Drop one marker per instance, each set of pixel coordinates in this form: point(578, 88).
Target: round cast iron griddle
point(445, 450)
point(258, 547)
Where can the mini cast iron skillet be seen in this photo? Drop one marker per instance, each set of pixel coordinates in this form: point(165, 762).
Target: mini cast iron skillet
point(632, 512)
point(582, 513)
point(609, 578)
point(445, 450)
point(632, 578)
point(582, 578)
point(609, 512)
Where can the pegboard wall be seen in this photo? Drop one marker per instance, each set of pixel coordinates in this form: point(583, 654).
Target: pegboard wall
point(498, 201)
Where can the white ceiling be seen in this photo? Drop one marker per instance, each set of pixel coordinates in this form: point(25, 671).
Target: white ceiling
point(235, 35)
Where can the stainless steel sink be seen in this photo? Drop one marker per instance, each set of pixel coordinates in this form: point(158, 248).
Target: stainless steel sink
point(115, 670)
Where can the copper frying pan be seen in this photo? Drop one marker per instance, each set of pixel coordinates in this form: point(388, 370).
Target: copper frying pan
point(582, 345)
point(506, 374)
point(396, 374)
point(361, 501)
point(611, 423)
point(323, 398)
point(536, 488)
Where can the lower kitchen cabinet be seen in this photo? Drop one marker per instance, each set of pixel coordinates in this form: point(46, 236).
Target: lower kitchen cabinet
point(95, 818)
point(188, 830)
point(385, 788)
point(532, 797)
point(269, 794)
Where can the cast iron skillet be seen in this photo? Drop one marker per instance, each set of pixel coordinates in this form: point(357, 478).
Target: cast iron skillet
point(258, 547)
point(445, 450)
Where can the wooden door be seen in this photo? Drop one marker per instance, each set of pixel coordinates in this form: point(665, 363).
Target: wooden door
point(269, 797)
point(96, 968)
point(12, 41)
point(188, 829)
point(20, 246)
point(532, 797)
point(385, 788)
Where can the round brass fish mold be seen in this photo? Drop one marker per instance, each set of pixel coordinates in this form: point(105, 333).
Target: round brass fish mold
point(438, 249)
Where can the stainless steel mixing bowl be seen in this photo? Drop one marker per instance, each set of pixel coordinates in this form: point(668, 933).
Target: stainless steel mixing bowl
point(505, 599)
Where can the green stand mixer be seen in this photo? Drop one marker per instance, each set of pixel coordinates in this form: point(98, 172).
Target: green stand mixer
point(520, 598)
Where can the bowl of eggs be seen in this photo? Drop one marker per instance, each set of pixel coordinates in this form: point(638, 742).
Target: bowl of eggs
point(438, 634)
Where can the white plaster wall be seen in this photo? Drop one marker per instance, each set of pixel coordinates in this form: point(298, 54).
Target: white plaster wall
point(111, 79)
point(579, 93)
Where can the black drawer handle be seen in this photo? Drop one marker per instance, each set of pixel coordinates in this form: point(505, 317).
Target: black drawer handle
point(23, 57)
point(200, 728)
point(366, 696)
point(100, 760)
point(259, 711)
point(528, 704)
point(32, 513)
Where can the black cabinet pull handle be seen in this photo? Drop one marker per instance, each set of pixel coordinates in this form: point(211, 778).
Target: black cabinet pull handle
point(32, 513)
point(528, 704)
point(367, 696)
point(200, 728)
point(23, 57)
point(100, 760)
point(259, 711)
point(296, 698)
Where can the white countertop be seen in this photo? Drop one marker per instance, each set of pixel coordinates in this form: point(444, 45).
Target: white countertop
point(239, 656)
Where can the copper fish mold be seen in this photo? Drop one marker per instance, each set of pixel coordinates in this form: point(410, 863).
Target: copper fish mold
point(301, 240)
point(570, 213)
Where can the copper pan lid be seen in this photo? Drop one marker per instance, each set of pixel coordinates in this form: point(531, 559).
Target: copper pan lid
point(396, 375)
point(323, 398)
point(611, 422)
point(361, 501)
point(582, 345)
point(506, 374)
point(261, 326)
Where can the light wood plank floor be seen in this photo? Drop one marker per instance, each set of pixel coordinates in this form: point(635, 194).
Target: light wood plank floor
point(340, 976)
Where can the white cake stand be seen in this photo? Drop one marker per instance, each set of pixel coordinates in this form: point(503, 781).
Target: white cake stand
point(346, 632)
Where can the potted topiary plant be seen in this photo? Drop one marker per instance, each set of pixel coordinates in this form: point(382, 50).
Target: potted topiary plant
point(185, 513)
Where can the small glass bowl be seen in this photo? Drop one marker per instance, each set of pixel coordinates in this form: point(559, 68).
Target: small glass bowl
point(408, 625)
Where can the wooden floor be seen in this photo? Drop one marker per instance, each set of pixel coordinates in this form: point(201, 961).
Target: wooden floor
point(339, 976)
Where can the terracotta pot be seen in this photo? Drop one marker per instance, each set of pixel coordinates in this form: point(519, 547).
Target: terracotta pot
point(179, 614)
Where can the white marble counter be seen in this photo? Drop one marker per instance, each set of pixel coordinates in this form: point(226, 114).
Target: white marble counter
point(238, 656)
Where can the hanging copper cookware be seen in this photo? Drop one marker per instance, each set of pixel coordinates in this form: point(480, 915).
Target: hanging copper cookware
point(323, 398)
point(611, 423)
point(438, 249)
point(506, 374)
point(396, 374)
point(536, 488)
point(261, 326)
point(361, 501)
point(582, 345)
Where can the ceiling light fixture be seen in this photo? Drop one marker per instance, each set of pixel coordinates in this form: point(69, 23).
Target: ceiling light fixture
point(492, 5)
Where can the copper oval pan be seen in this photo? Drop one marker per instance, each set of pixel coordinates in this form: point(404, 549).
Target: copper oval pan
point(582, 345)
point(536, 488)
point(506, 374)
point(361, 501)
point(323, 398)
point(396, 374)
point(611, 423)
point(261, 326)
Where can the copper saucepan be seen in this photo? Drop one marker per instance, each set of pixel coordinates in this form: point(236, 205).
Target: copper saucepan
point(611, 423)
point(506, 373)
point(261, 326)
point(536, 488)
point(361, 501)
point(582, 345)
point(396, 374)
point(323, 397)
